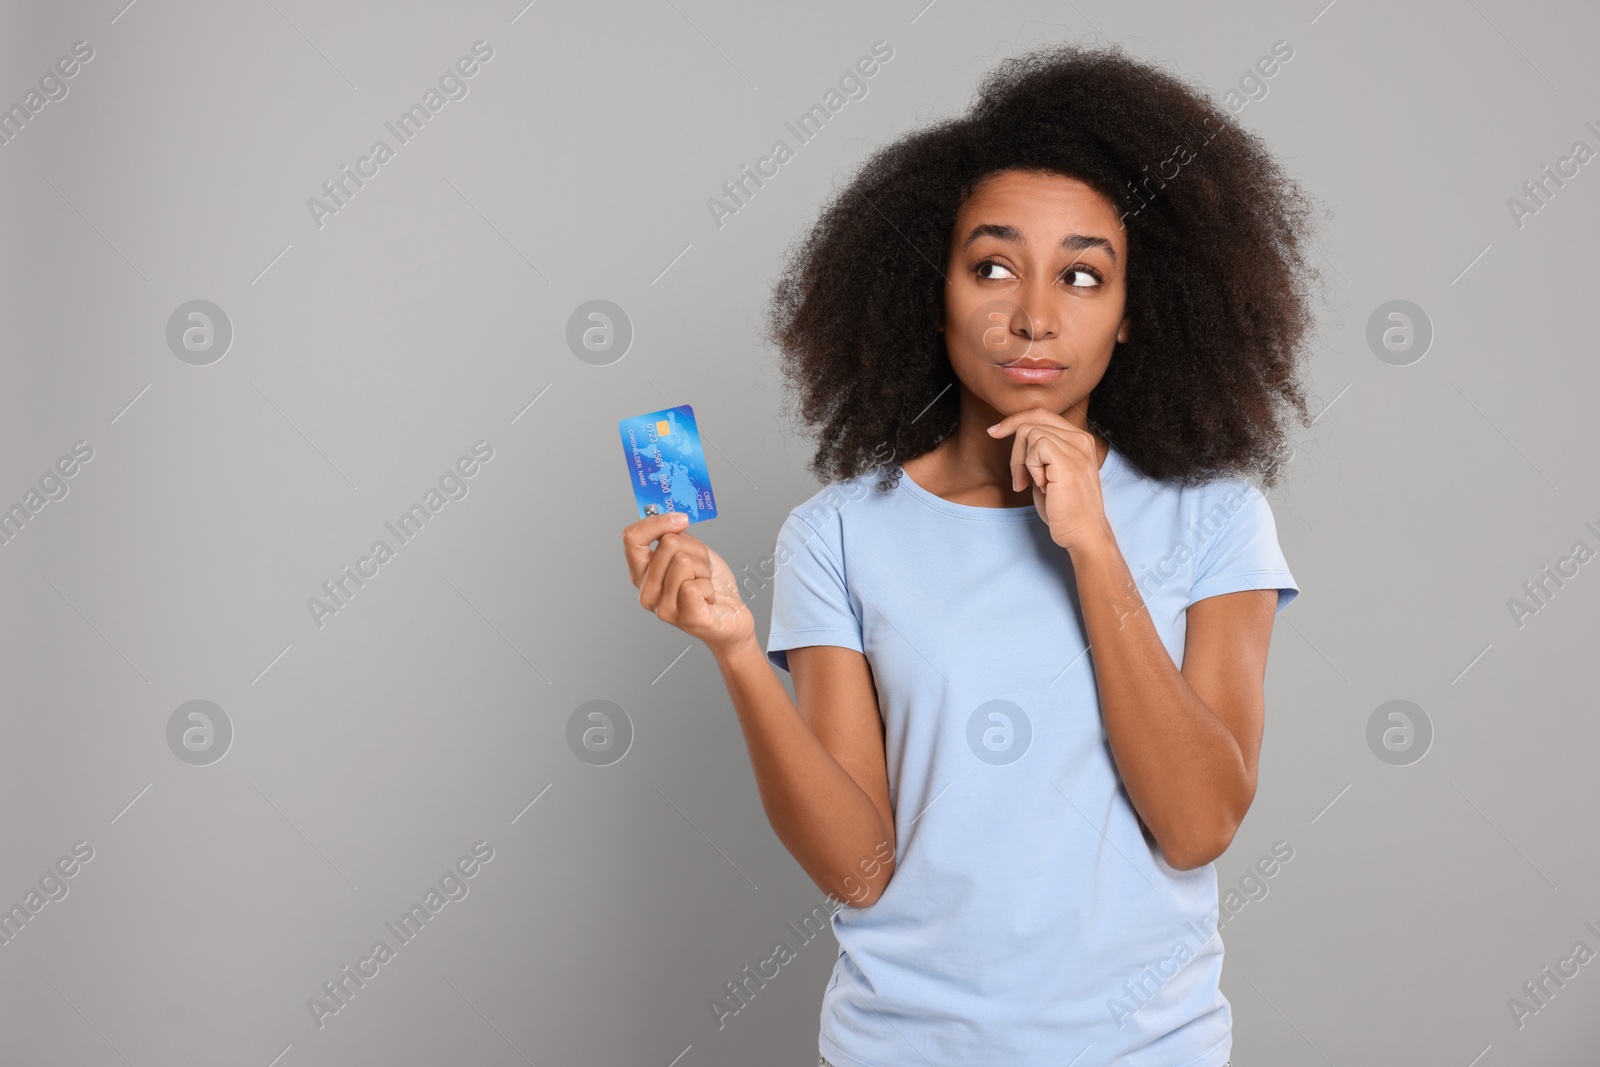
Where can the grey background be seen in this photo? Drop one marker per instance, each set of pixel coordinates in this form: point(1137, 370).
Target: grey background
point(429, 313)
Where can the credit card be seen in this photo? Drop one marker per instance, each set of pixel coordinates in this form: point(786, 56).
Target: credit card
point(667, 464)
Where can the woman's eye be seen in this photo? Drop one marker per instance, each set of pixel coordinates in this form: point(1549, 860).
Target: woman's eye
point(1078, 277)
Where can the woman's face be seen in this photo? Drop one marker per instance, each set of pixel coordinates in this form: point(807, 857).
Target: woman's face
point(1036, 273)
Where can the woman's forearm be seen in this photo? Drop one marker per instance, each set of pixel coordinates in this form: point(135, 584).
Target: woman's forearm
point(1180, 763)
point(826, 821)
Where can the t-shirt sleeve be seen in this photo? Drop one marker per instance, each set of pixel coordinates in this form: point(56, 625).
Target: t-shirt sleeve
point(811, 604)
point(1244, 552)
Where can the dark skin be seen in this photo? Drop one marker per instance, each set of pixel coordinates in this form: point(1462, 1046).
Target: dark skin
point(1185, 741)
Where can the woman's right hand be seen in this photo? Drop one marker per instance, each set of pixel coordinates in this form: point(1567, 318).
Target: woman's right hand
point(685, 584)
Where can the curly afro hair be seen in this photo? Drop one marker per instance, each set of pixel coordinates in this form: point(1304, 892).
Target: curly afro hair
point(1217, 289)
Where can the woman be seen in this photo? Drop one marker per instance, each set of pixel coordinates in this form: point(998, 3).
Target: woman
point(1028, 656)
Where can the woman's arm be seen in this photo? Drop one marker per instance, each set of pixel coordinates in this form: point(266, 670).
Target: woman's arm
point(1185, 741)
point(820, 766)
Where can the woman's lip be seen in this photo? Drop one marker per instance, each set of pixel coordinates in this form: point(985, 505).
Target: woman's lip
point(1020, 372)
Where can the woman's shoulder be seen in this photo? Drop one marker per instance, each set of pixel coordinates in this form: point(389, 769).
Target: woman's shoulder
point(1202, 490)
point(1204, 505)
point(832, 506)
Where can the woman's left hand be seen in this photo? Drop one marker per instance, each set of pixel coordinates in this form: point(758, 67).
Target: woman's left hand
point(1062, 464)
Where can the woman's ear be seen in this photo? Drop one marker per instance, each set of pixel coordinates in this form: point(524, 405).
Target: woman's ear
point(1122, 331)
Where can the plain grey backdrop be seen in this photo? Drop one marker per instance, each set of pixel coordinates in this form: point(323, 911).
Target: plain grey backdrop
point(347, 359)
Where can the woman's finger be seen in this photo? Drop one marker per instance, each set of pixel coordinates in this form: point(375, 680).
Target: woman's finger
point(1030, 465)
point(1042, 451)
point(655, 570)
point(1049, 445)
point(688, 561)
point(1019, 456)
point(1034, 414)
point(695, 597)
point(636, 538)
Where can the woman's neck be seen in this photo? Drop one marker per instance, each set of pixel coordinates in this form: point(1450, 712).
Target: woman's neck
point(971, 467)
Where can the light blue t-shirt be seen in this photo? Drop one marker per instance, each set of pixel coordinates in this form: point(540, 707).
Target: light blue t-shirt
point(1029, 921)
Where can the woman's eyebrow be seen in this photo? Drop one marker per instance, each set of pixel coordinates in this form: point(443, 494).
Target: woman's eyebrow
point(1073, 242)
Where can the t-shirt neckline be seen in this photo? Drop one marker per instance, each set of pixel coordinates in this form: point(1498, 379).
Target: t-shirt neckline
point(982, 514)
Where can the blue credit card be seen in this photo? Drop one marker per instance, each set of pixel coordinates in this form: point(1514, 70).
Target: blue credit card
point(667, 464)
